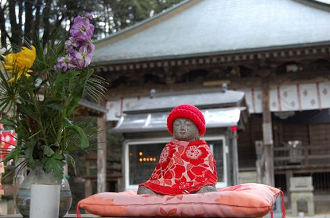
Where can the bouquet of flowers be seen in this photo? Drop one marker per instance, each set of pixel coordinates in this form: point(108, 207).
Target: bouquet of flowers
point(40, 88)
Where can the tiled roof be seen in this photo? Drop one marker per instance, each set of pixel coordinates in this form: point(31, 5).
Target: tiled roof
point(201, 100)
point(219, 26)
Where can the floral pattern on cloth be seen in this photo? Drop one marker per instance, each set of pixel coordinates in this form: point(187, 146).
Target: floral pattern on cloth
point(245, 200)
point(183, 167)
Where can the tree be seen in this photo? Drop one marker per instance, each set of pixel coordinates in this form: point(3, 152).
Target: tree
point(119, 14)
point(3, 26)
point(50, 19)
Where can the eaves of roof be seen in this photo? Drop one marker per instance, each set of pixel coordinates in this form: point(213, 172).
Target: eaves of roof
point(316, 3)
point(229, 52)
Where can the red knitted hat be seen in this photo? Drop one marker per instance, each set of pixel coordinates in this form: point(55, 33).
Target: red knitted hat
point(187, 111)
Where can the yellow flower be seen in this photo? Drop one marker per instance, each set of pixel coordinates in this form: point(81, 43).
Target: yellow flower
point(20, 62)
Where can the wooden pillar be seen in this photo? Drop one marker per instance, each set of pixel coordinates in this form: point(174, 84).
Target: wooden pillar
point(88, 181)
point(267, 133)
point(235, 158)
point(288, 175)
point(101, 155)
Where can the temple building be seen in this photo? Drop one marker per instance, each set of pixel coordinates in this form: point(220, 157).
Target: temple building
point(275, 52)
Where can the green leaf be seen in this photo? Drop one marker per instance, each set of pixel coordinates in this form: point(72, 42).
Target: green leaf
point(30, 111)
point(31, 142)
point(63, 80)
point(78, 90)
point(95, 87)
point(70, 159)
point(28, 156)
point(54, 104)
point(28, 152)
point(76, 98)
point(48, 151)
point(13, 155)
point(55, 164)
point(84, 143)
point(7, 122)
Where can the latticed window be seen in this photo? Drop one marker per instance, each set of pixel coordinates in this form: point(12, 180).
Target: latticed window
point(144, 156)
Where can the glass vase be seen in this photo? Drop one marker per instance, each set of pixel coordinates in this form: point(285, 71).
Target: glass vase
point(37, 175)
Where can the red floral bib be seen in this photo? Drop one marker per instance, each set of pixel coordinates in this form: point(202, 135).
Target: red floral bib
point(183, 167)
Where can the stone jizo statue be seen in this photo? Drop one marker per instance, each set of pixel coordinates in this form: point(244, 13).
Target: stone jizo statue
point(186, 164)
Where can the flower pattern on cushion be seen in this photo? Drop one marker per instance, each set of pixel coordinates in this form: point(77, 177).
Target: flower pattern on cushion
point(170, 197)
point(187, 168)
point(242, 187)
point(117, 210)
point(171, 212)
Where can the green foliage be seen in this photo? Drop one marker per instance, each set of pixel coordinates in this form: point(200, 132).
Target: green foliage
point(41, 110)
point(119, 14)
point(56, 16)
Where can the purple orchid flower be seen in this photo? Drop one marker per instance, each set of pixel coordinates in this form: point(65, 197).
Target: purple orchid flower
point(89, 45)
point(71, 42)
point(78, 46)
point(89, 15)
point(65, 63)
point(82, 29)
point(82, 57)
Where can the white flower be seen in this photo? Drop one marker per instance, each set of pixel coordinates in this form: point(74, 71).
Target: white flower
point(193, 152)
point(2, 51)
point(2, 68)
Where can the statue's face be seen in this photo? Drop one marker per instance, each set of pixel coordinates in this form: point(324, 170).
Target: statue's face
point(185, 130)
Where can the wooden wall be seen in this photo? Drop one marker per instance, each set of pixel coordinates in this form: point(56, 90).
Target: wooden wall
point(246, 143)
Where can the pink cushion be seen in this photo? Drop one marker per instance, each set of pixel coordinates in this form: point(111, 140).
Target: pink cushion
point(246, 200)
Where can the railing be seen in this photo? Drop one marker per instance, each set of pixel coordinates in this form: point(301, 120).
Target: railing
point(298, 156)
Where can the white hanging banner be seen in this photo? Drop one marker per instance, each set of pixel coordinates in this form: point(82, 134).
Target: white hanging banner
point(287, 94)
point(324, 89)
point(309, 97)
point(253, 98)
point(295, 97)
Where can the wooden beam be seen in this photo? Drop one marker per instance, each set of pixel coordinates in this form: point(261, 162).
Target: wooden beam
point(303, 169)
point(101, 155)
point(216, 83)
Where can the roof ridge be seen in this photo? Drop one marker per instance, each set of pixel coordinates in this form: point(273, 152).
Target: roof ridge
point(315, 4)
point(187, 3)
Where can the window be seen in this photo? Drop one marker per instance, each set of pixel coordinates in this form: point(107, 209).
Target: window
point(217, 149)
point(142, 156)
point(143, 159)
